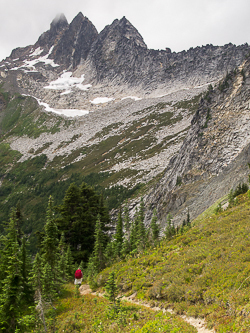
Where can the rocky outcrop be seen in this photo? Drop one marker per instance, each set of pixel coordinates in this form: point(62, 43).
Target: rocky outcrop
point(50, 37)
point(74, 45)
point(215, 154)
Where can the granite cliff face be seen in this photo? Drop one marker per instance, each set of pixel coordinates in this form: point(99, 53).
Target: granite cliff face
point(105, 103)
point(215, 153)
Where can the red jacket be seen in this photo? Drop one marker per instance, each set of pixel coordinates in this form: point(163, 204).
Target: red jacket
point(78, 274)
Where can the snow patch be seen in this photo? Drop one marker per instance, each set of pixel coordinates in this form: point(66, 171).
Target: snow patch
point(66, 82)
point(37, 52)
point(30, 64)
point(66, 92)
point(61, 112)
point(132, 97)
point(100, 100)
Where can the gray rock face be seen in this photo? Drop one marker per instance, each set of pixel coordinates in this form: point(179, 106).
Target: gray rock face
point(75, 43)
point(48, 38)
point(215, 153)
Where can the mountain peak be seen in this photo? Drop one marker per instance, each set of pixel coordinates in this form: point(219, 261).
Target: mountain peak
point(59, 22)
point(129, 31)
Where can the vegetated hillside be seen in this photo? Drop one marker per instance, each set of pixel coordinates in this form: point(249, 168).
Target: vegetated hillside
point(89, 313)
point(214, 156)
point(203, 272)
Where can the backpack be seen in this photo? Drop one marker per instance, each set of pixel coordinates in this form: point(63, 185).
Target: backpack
point(78, 274)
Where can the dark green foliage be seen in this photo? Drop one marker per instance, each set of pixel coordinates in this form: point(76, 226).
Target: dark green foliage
point(11, 296)
point(218, 209)
point(126, 217)
point(79, 212)
point(98, 253)
point(69, 265)
point(170, 229)
point(112, 294)
point(154, 227)
point(119, 237)
point(240, 189)
point(37, 274)
point(224, 84)
point(50, 241)
point(31, 184)
point(25, 272)
point(48, 282)
point(243, 74)
point(208, 117)
point(178, 181)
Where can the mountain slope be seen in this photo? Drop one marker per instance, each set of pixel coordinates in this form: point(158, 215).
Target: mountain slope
point(82, 105)
point(204, 272)
point(214, 156)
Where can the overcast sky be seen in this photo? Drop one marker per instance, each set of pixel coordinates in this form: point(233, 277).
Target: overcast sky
point(178, 24)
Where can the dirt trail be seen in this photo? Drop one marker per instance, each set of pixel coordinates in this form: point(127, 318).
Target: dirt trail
point(198, 323)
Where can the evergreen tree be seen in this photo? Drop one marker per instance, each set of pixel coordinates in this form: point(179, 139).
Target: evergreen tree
point(141, 210)
point(126, 248)
point(154, 227)
point(109, 253)
point(48, 283)
point(170, 229)
point(141, 239)
point(188, 219)
point(78, 217)
point(69, 264)
point(112, 293)
point(25, 271)
point(119, 234)
point(18, 218)
point(126, 218)
point(134, 232)
point(50, 241)
point(98, 253)
point(11, 298)
point(37, 274)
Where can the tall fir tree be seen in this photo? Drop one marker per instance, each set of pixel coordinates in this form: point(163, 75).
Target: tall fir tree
point(50, 241)
point(37, 274)
point(62, 265)
point(141, 240)
point(119, 236)
point(49, 284)
point(11, 297)
point(134, 232)
point(98, 252)
point(154, 227)
point(126, 218)
point(26, 268)
point(69, 266)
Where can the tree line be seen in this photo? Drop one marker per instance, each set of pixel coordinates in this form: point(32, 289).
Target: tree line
point(76, 233)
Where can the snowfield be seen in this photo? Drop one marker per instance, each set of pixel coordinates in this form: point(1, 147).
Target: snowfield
point(67, 82)
point(101, 100)
point(132, 97)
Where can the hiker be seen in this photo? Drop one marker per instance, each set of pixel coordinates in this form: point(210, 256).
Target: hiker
point(78, 276)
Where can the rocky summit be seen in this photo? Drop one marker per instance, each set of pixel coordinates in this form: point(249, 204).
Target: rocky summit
point(172, 125)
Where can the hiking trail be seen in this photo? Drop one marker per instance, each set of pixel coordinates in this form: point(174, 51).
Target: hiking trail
point(198, 323)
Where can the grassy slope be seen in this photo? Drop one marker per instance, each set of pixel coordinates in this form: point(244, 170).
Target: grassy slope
point(204, 272)
point(91, 314)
